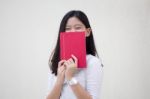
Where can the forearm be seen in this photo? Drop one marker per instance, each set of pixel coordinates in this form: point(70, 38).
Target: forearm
point(56, 91)
point(80, 92)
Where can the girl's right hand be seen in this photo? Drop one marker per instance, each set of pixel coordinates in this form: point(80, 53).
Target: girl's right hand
point(61, 72)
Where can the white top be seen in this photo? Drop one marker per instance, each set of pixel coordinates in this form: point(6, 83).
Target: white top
point(89, 78)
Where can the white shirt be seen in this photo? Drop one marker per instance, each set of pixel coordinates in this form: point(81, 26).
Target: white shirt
point(89, 78)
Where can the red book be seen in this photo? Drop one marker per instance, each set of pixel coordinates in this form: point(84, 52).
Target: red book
point(73, 43)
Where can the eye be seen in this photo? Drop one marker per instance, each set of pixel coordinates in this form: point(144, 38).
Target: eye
point(78, 28)
point(67, 28)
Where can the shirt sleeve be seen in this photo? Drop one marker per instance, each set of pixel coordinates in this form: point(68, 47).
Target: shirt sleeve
point(51, 81)
point(94, 76)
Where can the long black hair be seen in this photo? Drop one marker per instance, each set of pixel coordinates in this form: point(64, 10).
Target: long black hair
point(90, 45)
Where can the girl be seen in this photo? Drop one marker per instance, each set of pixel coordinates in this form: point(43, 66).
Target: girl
point(66, 81)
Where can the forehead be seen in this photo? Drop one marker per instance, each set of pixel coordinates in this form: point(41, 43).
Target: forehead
point(73, 21)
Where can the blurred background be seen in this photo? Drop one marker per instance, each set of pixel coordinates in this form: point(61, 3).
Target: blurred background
point(28, 33)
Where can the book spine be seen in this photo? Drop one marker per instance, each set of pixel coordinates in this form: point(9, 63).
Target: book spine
point(62, 54)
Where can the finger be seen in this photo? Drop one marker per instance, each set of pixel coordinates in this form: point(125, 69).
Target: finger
point(75, 59)
point(66, 63)
point(70, 60)
point(62, 68)
point(63, 72)
point(61, 62)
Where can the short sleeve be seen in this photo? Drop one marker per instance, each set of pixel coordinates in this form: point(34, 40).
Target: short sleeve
point(94, 74)
point(51, 82)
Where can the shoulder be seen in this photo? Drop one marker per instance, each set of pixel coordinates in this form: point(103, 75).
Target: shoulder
point(94, 65)
point(93, 60)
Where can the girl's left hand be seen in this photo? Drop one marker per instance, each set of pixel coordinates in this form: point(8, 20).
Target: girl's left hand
point(71, 67)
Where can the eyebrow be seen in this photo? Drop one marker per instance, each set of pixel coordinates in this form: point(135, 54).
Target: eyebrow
point(74, 25)
point(78, 25)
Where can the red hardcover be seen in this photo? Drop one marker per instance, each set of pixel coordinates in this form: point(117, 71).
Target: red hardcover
point(73, 43)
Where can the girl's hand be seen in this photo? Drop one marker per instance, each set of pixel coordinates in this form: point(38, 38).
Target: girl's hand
point(71, 67)
point(61, 72)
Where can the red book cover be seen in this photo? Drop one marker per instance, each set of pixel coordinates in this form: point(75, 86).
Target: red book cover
point(73, 43)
